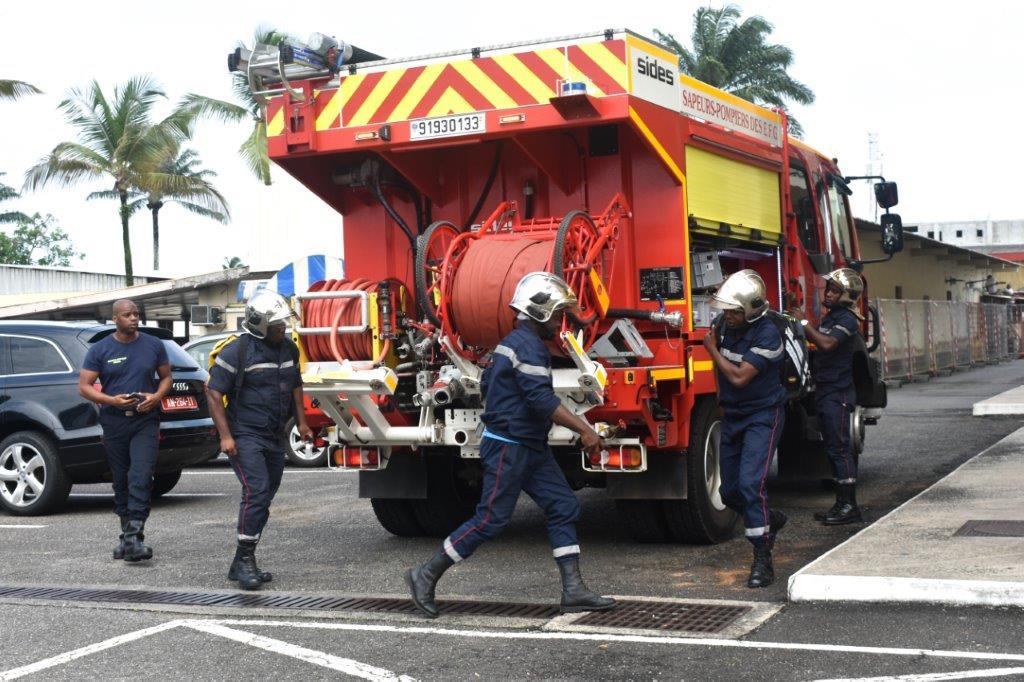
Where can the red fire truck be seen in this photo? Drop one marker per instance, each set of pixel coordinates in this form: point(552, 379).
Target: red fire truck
point(589, 156)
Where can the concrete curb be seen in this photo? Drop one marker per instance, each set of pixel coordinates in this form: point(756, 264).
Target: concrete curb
point(812, 583)
point(1008, 402)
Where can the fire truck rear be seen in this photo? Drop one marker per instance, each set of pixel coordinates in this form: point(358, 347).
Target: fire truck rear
point(589, 156)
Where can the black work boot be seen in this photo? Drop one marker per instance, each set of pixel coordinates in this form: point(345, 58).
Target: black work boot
point(822, 515)
point(119, 550)
point(762, 573)
point(265, 576)
point(575, 595)
point(243, 568)
point(134, 549)
point(846, 509)
point(422, 580)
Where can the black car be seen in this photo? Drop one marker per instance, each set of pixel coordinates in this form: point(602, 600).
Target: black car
point(50, 437)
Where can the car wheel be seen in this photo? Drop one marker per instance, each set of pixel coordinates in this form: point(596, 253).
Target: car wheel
point(303, 454)
point(32, 479)
point(164, 483)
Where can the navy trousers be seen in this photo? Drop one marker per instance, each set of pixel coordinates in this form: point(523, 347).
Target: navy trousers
point(131, 444)
point(508, 469)
point(747, 445)
point(259, 466)
point(834, 411)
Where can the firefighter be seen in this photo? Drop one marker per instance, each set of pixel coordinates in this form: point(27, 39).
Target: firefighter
point(832, 369)
point(259, 373)
point(747, 351)
point(520, 406)
point(126, 363)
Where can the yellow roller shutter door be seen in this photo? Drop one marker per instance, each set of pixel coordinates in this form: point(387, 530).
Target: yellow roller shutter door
point(720, 190)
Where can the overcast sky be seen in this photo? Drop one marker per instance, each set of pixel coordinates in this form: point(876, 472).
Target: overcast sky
point(942, 89)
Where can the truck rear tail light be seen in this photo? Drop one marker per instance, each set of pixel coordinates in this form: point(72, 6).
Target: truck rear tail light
point(352, 458)
point(621, 458)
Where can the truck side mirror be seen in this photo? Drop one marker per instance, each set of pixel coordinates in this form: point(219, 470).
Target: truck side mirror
point(892, 230)
point(886, 194)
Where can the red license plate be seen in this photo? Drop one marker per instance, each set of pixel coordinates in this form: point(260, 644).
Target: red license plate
point(177, 403)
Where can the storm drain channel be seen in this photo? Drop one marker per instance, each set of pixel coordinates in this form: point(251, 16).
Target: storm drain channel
point(638, 615)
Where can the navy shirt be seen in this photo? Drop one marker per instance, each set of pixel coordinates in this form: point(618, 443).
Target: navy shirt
point(833, 371)
point(518, 395)
point(126, 367)
point(264, 404)
point(760, 345)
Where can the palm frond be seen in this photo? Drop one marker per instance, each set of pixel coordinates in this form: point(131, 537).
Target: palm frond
point(14, 217)
point(11, 89)
point(214, 108)
point(66, 172)
point(254, 152)
point(202, 211)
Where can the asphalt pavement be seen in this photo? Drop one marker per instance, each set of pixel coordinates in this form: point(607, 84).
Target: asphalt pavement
point(323, 540)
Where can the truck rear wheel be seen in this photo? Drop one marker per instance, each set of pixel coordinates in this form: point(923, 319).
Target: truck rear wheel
point(396, 517)
point(453, 492)
point(702, 518)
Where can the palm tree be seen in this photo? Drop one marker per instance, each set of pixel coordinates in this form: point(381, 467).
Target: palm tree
point(116, 141)
point(247, 108)
point(7, 193)
point(736, 57)
point(199, 197)
point(16, 89)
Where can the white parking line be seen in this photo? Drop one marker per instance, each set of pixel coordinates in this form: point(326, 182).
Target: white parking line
point(12, 525)
point(638, 639)
point(325, 660)
point(66, 657)
point(928, 677)
point(111, 495)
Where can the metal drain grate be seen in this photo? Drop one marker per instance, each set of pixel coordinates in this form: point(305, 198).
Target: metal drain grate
point(991, 529)
point(279, 601)
point(670, 616)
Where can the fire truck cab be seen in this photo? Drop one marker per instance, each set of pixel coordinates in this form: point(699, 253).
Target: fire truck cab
point(590, 156)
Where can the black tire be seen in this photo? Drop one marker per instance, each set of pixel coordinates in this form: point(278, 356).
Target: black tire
point(164, 483)
point(643, 519)
point(296, 453)
point(18, 455)
point(453, 492)
point(699, 519)
point(419, 270)
point(396, 517)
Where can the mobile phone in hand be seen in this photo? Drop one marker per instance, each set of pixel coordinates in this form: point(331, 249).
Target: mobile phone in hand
point(137, 397)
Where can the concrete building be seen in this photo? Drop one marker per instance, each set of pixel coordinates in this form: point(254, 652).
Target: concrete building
point(930, 269)
point(973, 234)
point(169, 303)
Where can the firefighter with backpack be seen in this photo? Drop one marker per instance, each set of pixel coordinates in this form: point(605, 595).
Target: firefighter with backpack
point(747, 349)
point(832, 367)
point(258, 373)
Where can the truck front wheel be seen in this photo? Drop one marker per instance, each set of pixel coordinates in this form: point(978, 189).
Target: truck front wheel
point(702, 518)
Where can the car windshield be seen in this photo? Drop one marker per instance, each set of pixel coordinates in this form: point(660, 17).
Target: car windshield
point(179, 359)
point(200, 352)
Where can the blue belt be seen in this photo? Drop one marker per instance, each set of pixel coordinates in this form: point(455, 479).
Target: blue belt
point(494, 436)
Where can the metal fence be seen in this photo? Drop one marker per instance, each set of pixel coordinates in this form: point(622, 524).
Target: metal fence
point(923, 338)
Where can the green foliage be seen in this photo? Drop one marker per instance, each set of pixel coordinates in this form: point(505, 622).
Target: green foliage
point(246, 108)
point(6, 194)
point(232, 262)
point(15, 89)
point(736, 56)
point(37, 241)
point(117, 142)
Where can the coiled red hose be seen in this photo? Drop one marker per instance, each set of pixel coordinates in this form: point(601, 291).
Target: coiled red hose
point(341, 312)
point(485, 281)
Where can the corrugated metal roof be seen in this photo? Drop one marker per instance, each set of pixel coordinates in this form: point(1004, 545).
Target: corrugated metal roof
point(37, 279)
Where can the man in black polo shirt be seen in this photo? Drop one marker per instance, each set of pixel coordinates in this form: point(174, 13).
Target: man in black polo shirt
point(127, 365)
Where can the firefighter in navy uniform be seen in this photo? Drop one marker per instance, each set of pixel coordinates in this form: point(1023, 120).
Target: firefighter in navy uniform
point(520, 406)
point(832, 369)
point(746, 348)
point(252, 428)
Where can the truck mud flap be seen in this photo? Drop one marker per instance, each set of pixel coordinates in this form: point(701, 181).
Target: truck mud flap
point(404, 478)
point(665, 479)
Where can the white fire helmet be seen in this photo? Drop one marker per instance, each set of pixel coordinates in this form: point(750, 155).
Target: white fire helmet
point(264, 309)
point(849, 282)
point(744, 291)
point(540, 294)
